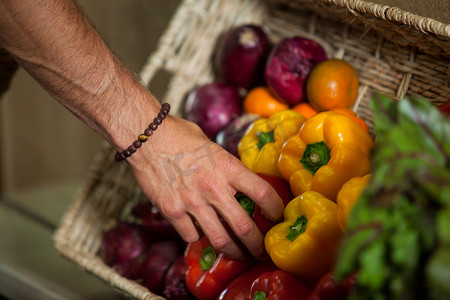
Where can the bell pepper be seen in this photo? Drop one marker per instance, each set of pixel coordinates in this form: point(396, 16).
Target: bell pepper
point(328, 289)
point(259, 149)
point(306, 242)
point(445, 108)
point(209, 271)
point(348, 196)
point(305, 109)
point(278, 285)
point(329, 149)
point(350, 113)
point(239, 288)
point(255, 212)
point(260, 101)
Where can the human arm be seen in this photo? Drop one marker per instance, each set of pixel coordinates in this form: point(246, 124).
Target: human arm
point(184, 174)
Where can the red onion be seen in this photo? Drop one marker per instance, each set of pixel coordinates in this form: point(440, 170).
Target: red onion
point(175, 281)
point(212, 106)
point(241, 56)
point(153, 221)
point(230, 136)
point(122, 244)
point(289, 65)
point(151, 267)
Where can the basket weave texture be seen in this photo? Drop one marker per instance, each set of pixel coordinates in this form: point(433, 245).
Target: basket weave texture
point(395, 53)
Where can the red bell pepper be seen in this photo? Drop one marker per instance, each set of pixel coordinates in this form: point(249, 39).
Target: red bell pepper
point(239, 288)
point(281, 187)
point(278, 284)
point(209, 271)
point(328, 289)
point(445, 108)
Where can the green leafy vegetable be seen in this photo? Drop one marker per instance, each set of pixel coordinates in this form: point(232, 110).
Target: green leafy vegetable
point(398, 238)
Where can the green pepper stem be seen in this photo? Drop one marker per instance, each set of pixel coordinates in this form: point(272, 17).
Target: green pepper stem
point(315, 156)
point(209, 255)
point(259, 296)
point(247, 204)
point(297, 228)
point(264, 138)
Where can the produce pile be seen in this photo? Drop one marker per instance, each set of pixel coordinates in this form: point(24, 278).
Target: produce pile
point(362, 219)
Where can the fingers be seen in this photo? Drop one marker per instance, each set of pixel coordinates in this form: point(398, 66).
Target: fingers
point(217, 235)
point(259, 191)
point(242, 225)
point(191, 210)
point(186, 228)
point(222, 200)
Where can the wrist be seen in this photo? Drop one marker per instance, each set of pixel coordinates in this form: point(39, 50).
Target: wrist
point(145, 135)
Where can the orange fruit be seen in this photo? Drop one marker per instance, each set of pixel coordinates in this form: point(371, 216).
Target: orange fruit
point(260, 101)
point(305, 109)
point(332, 83)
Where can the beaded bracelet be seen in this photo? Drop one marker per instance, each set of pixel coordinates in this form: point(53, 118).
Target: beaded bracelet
point(142, 138)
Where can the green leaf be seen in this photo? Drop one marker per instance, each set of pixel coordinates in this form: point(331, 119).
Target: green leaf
point(401, 218)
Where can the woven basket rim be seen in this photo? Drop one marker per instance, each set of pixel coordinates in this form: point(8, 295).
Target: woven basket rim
point(394, 14)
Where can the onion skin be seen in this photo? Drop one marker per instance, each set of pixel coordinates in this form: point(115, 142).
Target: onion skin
point(241, 56)
point(289, 65)
point(152, 220)
point(212, 106)
point(230, 136)
point(175, 281)
point(151, 267)
point(122, 244)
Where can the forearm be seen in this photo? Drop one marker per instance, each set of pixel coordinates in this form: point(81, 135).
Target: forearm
point(187, 177)
point(58, 46)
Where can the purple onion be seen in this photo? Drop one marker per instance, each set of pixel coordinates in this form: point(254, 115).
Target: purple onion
point(122, 244)
point(175, 284)
point(212, 106)
point(289, 65)
point(153, 221)
point(241, 56)
point(230, 136)
point(151, 267)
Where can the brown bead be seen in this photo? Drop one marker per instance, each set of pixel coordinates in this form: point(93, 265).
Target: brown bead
point(165, 108)
point(157, 121)
point(137, 144)
point(153, 126)
point(132, 149)
point(127, 153)
point(143, 138)
point(148, 132)
point(119, 156)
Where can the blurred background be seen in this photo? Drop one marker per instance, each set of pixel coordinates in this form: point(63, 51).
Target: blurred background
point(45, 153)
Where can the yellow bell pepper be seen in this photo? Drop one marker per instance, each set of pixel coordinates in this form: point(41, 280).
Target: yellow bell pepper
point(259, 149)
point(329, 149)
point(306, 242)
point(348, 196)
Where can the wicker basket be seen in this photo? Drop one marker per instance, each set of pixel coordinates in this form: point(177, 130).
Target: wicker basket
point(394, 52)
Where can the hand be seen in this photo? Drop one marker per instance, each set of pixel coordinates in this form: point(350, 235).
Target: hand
point(192, 181)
